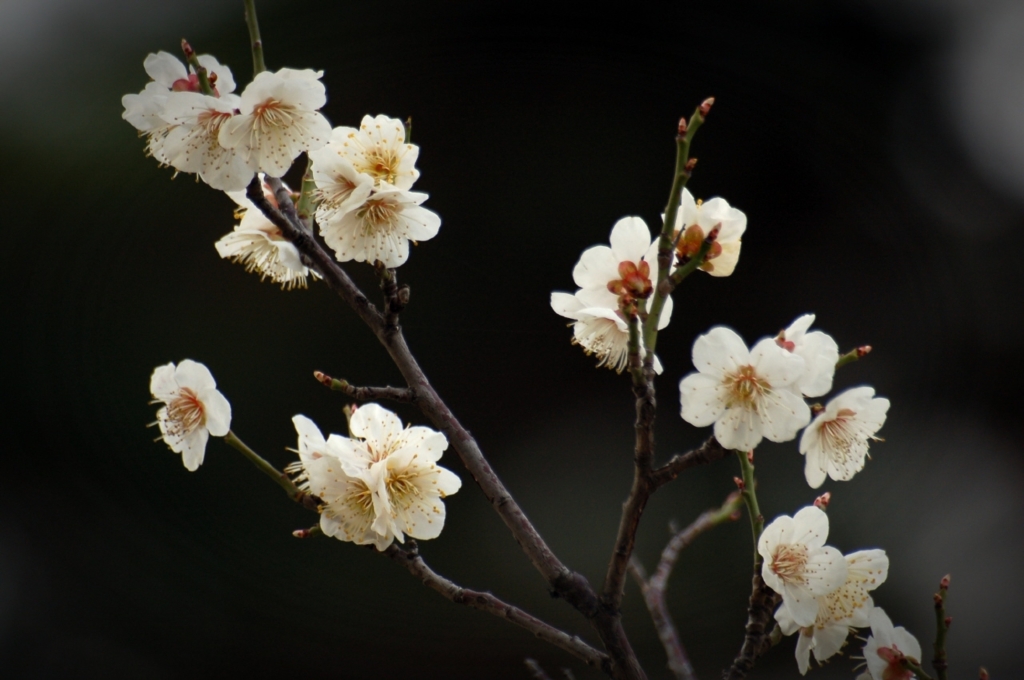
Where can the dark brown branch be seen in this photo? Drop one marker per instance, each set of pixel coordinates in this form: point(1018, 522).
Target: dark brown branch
point(402, 394)
point(653, 589)
point(486, 602)
point(565, 583)
point(763, 601)
point(709, 452)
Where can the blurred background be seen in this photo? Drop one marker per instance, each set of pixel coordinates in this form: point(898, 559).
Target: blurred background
point(877, 147)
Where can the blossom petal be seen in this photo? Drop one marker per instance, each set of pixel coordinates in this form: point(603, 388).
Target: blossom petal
point(719, 351)
point(194, 375)
point(630, 239)
point(597, 266)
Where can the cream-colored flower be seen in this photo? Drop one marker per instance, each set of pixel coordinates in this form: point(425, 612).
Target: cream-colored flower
point(193, 409)
point(836, 441)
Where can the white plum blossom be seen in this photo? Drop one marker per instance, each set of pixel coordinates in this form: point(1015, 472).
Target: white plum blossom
point(380, 484)
point(191, 142)
point(340, 187)
point(378, 149)
point(346, 490)
point(836, 441)
point(797, 563)
point(278, 119)
point(819, 352)
point(611, 279)
point(258, 244)
point(840, 611)
point(747, 394)
point(169, 74)
point(600, 331)
point(193, 409)
point(887, 647)
point(379, 230)
point(695, 219)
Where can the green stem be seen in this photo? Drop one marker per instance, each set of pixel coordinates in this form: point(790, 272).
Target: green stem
point(307, 201)
point(282, 480)
point(750, 498)
point(665, 245)
point(254, 37)
point(853, 355)
point(200, 70)
point(691, 265)
point(916, 670)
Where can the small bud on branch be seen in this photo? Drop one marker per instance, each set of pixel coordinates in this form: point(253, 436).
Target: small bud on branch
point(822, 501)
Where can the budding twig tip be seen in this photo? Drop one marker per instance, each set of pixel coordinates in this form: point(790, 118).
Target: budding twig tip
point(706, 105)
point(822, 501)
point(683, 126)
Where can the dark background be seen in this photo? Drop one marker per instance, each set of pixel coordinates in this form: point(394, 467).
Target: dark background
point(876, 146)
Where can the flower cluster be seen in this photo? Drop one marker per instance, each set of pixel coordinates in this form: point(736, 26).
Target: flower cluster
point(380, 484)
point(824, 594)
point(758, 393)
point(366, 210)
point(192, 409)
point(222, 137)
point(613, 281)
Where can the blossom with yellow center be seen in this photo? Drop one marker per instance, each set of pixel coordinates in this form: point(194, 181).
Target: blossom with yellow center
point(380, 228)
point(839, 612)
point(278, 119)
point(747, 394)
point(193, 409)
point(378, 149)
point(797, 563)
point(836, 442)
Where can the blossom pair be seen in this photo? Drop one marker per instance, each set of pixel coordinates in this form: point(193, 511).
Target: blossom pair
point(380, 484)
point(222, 137)
point(366, 210)
point(617, 282)
point(750, 394)
point(824, 593)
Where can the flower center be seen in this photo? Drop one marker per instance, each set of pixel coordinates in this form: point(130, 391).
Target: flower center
point(377, 214)
point(789, 561)
point(185, 412)
point(746, 388)
point(634, 284)
point(838, 435)
point(271, 114)
point(382, 164)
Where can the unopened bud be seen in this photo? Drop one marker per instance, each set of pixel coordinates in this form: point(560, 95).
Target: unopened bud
point(750, 456)
point(816, 409)
point(937, 599)
point(982, 673)
point(863, 350)
point(948, 620)
point(323, 378)
point(301, 533)
point(403, 295)
point(705, 106)
point(682, 127)
point(187, 49)
point(739, 483)
point(822, 501)
point(944, 583)
point(212, 78)
point(691, 164)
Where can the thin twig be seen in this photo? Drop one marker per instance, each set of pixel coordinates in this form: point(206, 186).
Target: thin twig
point(486, 602)
point(653, 588)
point(536, 670)
point(306, 500)
point(567, 584)
point(939, 661)
point(402, 394)
point(709, 452)
point(255, 41)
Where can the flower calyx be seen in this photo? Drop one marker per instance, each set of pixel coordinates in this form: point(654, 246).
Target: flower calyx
point(634, 285)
